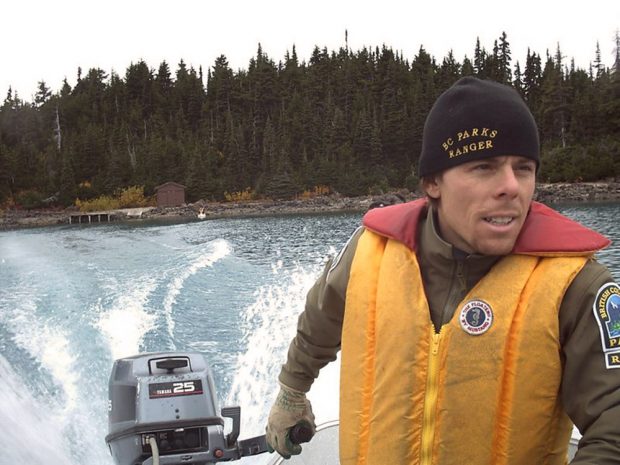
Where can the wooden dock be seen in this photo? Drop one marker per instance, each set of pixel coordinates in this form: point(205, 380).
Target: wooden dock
point(107, 216)
point(92, 217)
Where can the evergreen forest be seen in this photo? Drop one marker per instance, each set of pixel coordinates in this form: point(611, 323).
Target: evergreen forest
point(344, 121)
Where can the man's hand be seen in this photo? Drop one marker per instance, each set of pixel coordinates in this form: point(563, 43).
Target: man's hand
point(290, 408)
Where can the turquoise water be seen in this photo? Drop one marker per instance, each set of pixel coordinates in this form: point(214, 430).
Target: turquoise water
point(74, 298)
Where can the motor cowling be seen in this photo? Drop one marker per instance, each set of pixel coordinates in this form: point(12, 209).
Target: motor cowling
point(170, 397)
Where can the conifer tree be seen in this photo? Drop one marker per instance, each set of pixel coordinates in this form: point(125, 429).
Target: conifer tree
point(163, 91)
point(503, 60)
point(43, 94)
point(612, 106)
point(219, 91)
point(196, 177)
point(599, 67)
point(517, 83)
point(480, 60)
point(449, 71)
point(553, 101)
point(5, 178)
point(67, 188)
point(532, 77)
point(467, 68)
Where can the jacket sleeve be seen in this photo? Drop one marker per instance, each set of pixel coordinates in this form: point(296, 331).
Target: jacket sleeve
point(319, 326)
point(590, 391)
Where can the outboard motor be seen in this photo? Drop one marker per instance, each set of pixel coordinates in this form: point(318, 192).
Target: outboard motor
point(163, 410)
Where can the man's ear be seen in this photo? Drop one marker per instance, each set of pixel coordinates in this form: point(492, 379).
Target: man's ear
point(431, 187)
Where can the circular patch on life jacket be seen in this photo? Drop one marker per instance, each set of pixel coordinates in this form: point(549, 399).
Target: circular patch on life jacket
point(476, 317)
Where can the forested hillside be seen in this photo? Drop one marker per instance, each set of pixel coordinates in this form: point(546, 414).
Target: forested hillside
point(348, 121)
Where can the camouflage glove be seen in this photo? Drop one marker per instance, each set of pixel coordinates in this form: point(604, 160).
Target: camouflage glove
point(290, 408)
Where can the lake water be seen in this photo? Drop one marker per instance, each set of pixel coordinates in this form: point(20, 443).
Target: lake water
point(75, 298)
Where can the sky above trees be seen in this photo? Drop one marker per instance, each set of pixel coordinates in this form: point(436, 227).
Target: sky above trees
point(48, 41)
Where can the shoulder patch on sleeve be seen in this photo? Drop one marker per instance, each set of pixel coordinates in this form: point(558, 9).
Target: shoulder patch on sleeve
point(607, 313)
point(337, 258)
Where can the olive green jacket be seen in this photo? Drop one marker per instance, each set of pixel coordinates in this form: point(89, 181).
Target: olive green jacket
point(590, 392)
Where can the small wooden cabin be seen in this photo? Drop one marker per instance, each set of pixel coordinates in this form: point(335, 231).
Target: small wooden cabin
point(170, 194)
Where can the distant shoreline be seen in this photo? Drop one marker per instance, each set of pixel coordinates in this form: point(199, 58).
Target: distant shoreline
point(546, 193)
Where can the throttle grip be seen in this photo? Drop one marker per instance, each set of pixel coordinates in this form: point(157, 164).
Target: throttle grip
point(300, 433)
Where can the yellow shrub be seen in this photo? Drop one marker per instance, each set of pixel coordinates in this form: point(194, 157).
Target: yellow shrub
point(316, 192)
point(132, 197)
point(8, 204)
point(102, 203)
point(242, 196)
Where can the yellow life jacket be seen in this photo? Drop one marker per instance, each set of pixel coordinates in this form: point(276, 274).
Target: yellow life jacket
point(479, 395)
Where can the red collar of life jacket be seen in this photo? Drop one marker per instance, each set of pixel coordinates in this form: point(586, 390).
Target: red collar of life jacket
point(545, 231)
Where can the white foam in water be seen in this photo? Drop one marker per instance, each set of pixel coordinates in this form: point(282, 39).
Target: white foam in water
point(127, 322)
point(52, 429)
point(30, 432)
point(47, 345)
point(218, 250)
point(270, 325)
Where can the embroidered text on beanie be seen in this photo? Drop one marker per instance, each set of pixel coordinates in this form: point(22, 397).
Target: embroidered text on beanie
point(477, 119)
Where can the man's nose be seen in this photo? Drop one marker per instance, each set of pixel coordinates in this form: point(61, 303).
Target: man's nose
point(508, 182)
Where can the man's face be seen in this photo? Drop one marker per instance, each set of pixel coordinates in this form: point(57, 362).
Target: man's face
point(482, 204)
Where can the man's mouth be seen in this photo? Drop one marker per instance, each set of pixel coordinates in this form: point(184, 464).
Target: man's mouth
point(499, 220)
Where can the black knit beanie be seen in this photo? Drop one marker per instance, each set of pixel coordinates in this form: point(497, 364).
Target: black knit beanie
point(477, 119)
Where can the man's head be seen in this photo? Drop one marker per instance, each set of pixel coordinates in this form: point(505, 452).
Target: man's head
point(480, 153)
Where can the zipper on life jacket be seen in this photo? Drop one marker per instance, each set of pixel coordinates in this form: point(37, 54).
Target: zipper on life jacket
point(430, 400)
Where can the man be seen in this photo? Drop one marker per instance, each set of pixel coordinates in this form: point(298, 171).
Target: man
point(475, 324)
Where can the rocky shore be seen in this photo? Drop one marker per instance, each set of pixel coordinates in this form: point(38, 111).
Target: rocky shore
point(546, 193)
point(578, 192)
